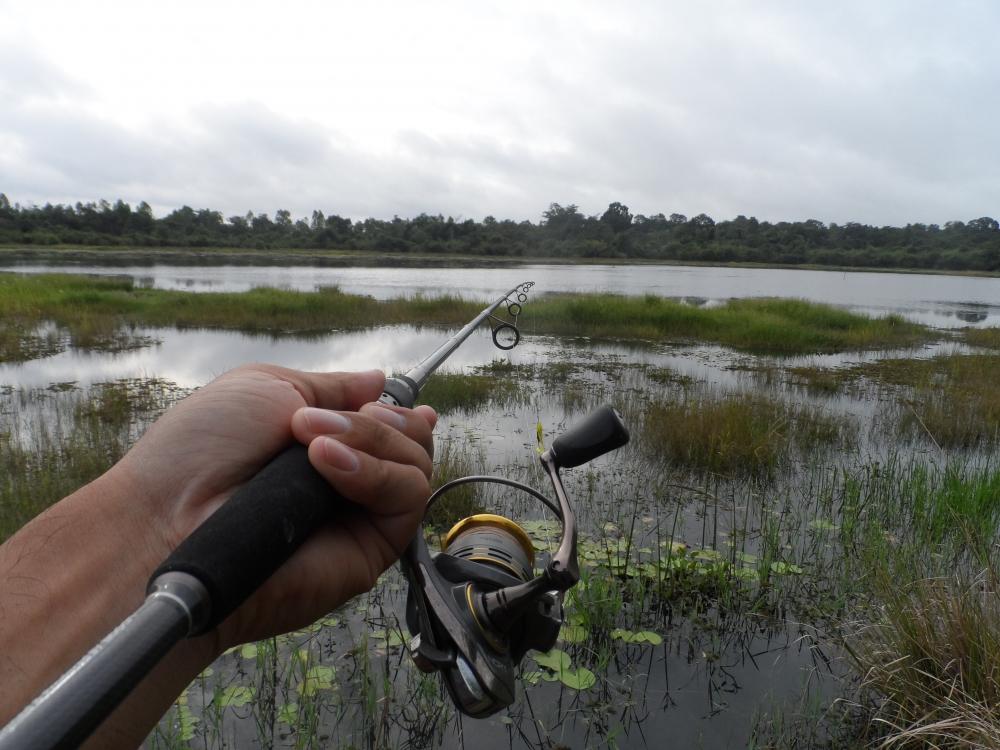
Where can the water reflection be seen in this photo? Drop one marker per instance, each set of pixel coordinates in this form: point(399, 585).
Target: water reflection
point(943, 301)
point(191, 358)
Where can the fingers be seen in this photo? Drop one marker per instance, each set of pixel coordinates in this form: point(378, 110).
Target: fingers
point(381, 486)
point(331, 390)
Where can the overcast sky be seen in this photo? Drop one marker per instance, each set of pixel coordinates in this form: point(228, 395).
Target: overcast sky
point(882, 112)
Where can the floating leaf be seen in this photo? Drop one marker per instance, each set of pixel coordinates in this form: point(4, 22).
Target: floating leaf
point(236, 696)
point(289, 714)
point(187, 722)
point(643, 636)
point(207, 672)
point(249, 651)
point(316, 679)
point(821, 524)
point(578, 679)
point(331, 622)
point(783, 568)
point(555, 660)
point(532, 678)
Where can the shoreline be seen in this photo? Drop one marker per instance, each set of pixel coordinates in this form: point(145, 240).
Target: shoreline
point(223, 256)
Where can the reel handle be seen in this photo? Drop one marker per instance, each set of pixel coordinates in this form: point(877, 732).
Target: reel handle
point(600, 432)
point(254, 532)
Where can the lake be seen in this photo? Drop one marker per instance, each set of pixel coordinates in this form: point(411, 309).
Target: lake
point(722, 569)
point(942, 301)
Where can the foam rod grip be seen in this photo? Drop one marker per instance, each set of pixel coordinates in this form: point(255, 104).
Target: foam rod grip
point(249, 537)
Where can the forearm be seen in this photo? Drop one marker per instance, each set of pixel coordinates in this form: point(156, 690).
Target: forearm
point(66, 580)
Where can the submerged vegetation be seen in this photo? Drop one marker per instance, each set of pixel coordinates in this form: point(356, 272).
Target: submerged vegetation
point(830, 532)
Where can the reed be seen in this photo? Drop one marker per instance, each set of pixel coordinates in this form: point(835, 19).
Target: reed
point(762, 326)
point(748, 436)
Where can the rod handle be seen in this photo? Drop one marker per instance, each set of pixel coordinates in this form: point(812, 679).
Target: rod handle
point(253, 533)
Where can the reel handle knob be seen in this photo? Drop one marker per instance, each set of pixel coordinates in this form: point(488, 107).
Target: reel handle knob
point(600, 432)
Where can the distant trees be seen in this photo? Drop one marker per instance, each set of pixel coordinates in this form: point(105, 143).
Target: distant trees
point(563, 232)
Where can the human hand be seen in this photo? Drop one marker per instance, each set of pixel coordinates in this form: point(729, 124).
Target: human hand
point(203, 449)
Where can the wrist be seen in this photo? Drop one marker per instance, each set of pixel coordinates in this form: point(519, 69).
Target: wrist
point(68, 578)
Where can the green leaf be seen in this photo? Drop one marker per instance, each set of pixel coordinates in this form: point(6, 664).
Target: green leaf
point(644, 636)
point(555, 660)
point(578, 679)
point(236, 696)
point(316, 679)
point(821, 524)
point(187, 722)
point(289, 714)
point(648, 636)
point(249, 651)
point(532, 678)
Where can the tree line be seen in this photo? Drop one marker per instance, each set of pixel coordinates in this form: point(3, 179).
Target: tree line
point(562, 232)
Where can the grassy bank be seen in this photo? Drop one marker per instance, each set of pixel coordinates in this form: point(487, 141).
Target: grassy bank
point(95, 311)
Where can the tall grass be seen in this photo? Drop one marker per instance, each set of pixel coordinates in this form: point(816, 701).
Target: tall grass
point(747, 435)
point(76, 437)
point(100, 306)
point(955, 401)
point(763, 326)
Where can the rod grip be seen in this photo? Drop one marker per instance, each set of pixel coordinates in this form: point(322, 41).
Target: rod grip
point(249, 537)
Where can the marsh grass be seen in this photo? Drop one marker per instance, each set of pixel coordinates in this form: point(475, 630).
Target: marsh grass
point(761, 326)
point(954, 401)
point(93, 309)
point(749, 436)
point(932, 657)
point(452, 462)
point(448, 392)
point(988, 338)
point(81, 434)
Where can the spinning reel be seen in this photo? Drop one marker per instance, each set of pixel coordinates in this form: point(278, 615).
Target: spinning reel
point(474, 608)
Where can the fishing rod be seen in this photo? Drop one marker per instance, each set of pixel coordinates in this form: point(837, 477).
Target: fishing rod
point(487, 560)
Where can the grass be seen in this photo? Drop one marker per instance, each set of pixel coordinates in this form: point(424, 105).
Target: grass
point(953, 398)
point(100, 306)
point(78, 436)
point(933, 658)
point(449, 392)
point(732, 526)
point(760, 326)
point(988, 338)
point(95, 309)
point(749, 436)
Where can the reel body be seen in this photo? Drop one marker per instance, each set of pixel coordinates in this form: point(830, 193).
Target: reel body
point(475, 608)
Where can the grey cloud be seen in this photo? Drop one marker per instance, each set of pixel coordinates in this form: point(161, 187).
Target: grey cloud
point(847, 113)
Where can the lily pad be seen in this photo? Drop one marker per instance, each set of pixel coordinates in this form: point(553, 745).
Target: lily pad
point(236, 696)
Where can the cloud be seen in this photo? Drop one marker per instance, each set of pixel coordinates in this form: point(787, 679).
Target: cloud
point(852, 112)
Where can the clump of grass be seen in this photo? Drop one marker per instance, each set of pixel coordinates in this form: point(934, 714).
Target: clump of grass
point(83, 433)
point(933, 658)
point(741, 436)
point(98, 307)
point(988, 338)
point(464, 500)
point(20, 342)
point(820, 380)
point(764, 326)
point(955, 401)
point(776, 326)
point(448, 392)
